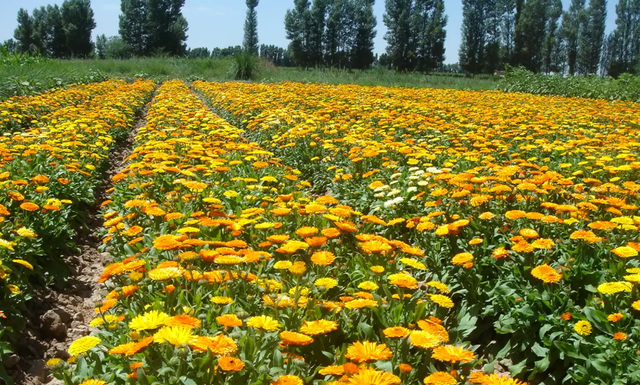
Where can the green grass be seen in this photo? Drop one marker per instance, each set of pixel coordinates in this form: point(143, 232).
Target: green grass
point(31, 78)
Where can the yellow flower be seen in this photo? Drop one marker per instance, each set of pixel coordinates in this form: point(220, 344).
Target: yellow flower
point(263, 322)
point(26, 233)
point(174, 335)
point(442, 300)
point(23, 263)
point(625, 252)
point(221, 300)
point(328, 283)
point(614, 287)
point(583, 328)
point(148, 321)
point(83, 344)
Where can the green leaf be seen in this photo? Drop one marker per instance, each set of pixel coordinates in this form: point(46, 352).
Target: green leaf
point(539, 351)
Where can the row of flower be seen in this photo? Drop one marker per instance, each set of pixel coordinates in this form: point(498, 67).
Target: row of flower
point(22, 112)
point(229, 271)
point(48, 176)
point(526, 205)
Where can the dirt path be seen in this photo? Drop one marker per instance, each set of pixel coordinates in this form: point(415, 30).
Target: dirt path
point(62, 314)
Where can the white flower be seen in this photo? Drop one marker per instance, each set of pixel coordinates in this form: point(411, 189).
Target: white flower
point(412, 189)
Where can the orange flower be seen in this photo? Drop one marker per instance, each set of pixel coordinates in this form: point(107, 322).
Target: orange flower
point(306, 231)
point(546, 273)
point(375, 247)
point(230, 364)
point(29, 206)
point(462, 258)
point(619, 336)
point(314, 328)
point(396, 332)
point(440, 378)
point(183, 320)
point(374, 377)
point(296, 339)
point(368, 351)
point(229, 320)
point(450, 353)
point(323, 258)
point(167, 242)
point(288, 379)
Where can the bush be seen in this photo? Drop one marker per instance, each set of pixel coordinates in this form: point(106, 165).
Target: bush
point(626, 87)
point(244, 67)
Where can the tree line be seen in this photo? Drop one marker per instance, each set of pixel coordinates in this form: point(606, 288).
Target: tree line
point(536, 34)
point(58, 32)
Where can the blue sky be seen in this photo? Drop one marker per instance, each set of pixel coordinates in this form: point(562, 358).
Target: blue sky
point(219, 23)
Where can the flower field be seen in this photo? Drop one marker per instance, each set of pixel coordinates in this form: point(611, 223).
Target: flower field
point(293, 233)
point(48, 175)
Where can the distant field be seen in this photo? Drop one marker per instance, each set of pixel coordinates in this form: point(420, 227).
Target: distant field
point(30, 78)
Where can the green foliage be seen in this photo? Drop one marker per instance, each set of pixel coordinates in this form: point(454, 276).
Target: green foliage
point(244, 67)
point(627, 87)
point(78, 22)
point(251, 28)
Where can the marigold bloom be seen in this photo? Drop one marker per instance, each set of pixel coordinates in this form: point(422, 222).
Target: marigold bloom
point(318, 327)
point(229, 320)
point(375, 247)
point(442, 300)
point(174, 335)
point(333, 370)
point(625, 252)
point(296, 339)
point(230, 364)
point(167, 242)
point(83, 344)
point(367, 352)
point(450, 353)
point(440, 378)
point(583, 328)
point(462, 258)
point(614, 287)
point(288, 379)
point(263, 322)
point(546, 273)
point(323, 258)
point(424, 339)
point(615, 317)
point(164, 273)
point(396, 332)
point(619, 336)
point(328, 283)
point(220, 345)
point(29, 206)
point(373, 377)
point(93, 382)
point(403, 280)
point(183, 320)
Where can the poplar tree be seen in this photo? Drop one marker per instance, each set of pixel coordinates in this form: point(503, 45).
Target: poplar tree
point(397, 18)
point(133, 26)
point(572, 27)
point(24, 32)
point(297, 25)
point(251, 28)
point(317, 19)
point(553, 41)
point(472, 47)
point(78, 23)
point(167, 27)
point(625, 39)
point(365, 31)
point(592, 36)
